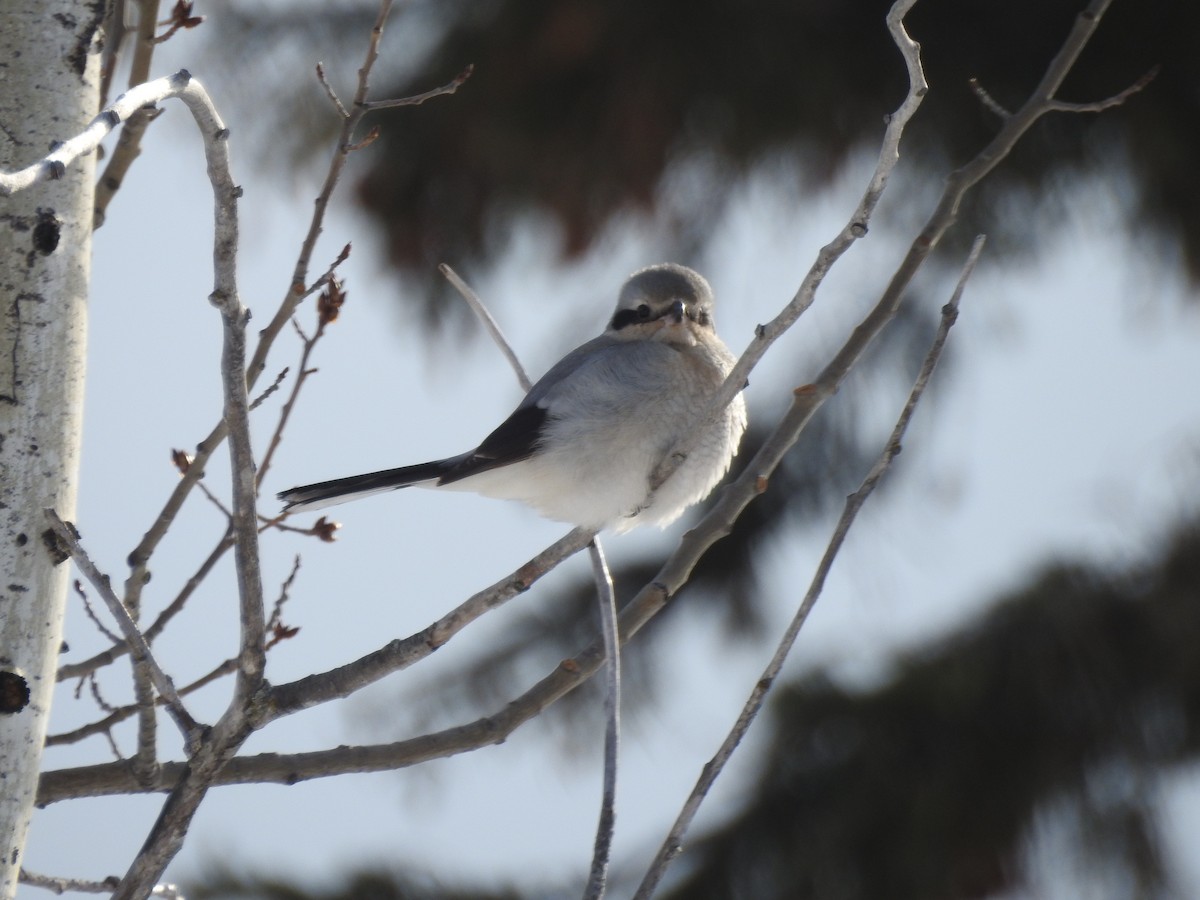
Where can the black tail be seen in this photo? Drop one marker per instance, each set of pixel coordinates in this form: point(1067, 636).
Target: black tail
point(341, 490)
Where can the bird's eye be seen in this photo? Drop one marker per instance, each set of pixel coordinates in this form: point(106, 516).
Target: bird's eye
point(702, 318)
point(643, 311)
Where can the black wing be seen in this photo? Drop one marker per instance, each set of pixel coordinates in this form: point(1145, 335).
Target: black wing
point(515, 439)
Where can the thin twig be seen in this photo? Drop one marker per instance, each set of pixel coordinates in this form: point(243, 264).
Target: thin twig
point(91, 613)
point(94, 689)
point(141, 650)
point(222, 741)
point(1097, 106)
point(145, 759)
point(329, 92)
point(107, 657)
point(127, 149)
point(245, 712)
point(327, 312)
point(988, 101)
point(449, 87)
point(673, 843)
point(605, 827)
point(276, 630)
point(492, 326)
point(214, 500)
point(119, 714)
point(271, 388)
point(63, 885)
point(115, 32)
point(371, 137)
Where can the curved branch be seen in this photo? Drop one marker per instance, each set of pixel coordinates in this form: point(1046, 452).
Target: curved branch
point(401, 653)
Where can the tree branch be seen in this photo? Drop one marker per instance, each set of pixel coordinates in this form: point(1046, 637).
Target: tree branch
point(166, 837)
point(489, 322)
point(121, 713)
point(129, 144)
point(607, 610)
point(855, 228)
point(673, 843)
point(83, 886)
point(69, 539)
point(398, 654)
point(449, 87)
point(111, 655)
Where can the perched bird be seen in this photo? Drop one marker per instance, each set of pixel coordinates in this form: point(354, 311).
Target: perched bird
point(582, 445)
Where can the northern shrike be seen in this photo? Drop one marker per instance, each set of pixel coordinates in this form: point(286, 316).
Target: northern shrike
point(582, 445)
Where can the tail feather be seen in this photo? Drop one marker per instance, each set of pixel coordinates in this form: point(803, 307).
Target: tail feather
point(341, 490)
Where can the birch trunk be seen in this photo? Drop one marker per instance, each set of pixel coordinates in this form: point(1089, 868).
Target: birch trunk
point(49, 67)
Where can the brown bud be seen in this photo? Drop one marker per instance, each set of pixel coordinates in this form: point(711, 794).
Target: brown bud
point(326, 530)
point(329, 304)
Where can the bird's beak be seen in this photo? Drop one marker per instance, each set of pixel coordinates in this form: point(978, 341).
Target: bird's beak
point(677, 311)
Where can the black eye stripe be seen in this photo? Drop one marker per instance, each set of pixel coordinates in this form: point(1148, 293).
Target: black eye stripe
point(643, 313)
point(623, 317)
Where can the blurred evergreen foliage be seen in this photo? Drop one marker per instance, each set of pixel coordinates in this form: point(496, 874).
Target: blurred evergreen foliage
point(579, 109)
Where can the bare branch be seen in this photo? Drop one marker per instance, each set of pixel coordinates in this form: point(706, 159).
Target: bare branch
point(50, 166)
point(489, 322)
point(276, 768)
point(988, 101)
point(91, 613)
point(214, 500)
point(673, 843)
point(129, 144)
point(276, 630)
point(107, 657)
point(94, 689)
point(329, 92)
point(167, 835)
point(607, 609)
point(215, 762)
point(70, 541)
point(855, 228)
point(272, 388)
point(57, 885)
point(1115, 100)
point(371, 137)
point(306, 351)
point(398, 654)
point(128, 148)
point(121, 713)
point(449, 87)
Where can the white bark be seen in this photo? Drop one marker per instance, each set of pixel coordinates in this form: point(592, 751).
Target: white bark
point(48, 92)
